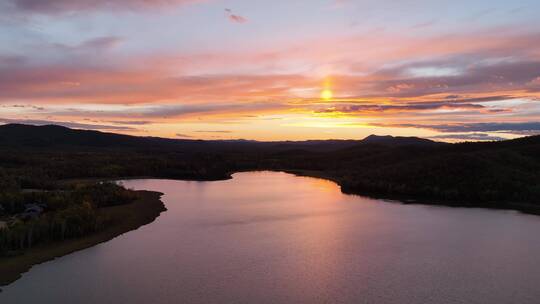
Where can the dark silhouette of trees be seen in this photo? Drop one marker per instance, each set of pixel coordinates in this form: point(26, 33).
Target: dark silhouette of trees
point(35, 163)
point(70, 212)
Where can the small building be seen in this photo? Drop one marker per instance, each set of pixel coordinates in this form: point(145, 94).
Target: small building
point(33, 209)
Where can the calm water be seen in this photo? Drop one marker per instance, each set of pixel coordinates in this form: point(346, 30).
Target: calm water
point(275, 238)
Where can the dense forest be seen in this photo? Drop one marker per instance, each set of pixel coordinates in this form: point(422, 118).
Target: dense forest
point(70, 210)
point(36, 162)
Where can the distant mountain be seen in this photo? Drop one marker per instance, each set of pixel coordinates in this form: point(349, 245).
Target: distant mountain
point(54, 136)
point(397, 140)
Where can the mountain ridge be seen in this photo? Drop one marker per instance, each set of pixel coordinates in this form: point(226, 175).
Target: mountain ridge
point(48, 135)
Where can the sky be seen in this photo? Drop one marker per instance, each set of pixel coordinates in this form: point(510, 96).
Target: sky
point(274, 70)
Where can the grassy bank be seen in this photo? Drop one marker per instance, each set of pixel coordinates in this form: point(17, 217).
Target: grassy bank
point(127, 217)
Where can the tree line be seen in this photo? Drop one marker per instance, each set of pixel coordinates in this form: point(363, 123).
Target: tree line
point(70, 211)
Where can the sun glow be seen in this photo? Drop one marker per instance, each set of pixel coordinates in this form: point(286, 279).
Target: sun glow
point(327, 94)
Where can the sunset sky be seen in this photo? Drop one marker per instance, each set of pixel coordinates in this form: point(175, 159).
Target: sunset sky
point(274, 70)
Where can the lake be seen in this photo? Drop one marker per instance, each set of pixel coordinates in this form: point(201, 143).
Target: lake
point(269, 237)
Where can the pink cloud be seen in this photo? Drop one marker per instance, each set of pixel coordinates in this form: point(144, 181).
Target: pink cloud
point(235, 18)
point(366, 81)
point(60, 6)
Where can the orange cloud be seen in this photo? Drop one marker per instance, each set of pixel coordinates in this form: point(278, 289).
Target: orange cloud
point(398, 78)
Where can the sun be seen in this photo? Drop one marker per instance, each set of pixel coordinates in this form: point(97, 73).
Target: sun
point(327, 94)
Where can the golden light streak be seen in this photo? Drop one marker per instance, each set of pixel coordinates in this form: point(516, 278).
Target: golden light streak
point(326, 93)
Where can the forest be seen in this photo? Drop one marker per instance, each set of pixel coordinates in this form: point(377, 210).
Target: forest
point(36, 162)
point(69, 210)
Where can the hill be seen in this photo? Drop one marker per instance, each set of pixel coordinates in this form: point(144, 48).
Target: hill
point(19, 135)
point(397, 140)
point(502, 174)
point(55, 137)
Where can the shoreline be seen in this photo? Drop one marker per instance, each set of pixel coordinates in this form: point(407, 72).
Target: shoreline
point(148, 207)
point(141, 212)
point(525, 208)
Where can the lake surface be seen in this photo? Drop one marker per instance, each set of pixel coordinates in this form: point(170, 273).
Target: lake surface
point(267, 237)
